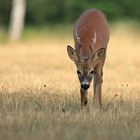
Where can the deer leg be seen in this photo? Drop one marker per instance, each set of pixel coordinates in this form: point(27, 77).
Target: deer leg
point(84, 98)
point(98, 86)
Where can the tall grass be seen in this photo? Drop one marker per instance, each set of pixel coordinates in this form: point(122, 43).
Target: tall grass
point(39, 90)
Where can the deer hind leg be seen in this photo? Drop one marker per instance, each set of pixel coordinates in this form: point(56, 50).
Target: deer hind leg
point(98, 86)
point(84, 99)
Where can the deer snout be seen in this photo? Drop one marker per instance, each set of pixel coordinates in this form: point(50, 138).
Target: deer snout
point(85, 85)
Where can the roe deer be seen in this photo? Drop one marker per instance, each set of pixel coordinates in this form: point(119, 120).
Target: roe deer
point(91, 36)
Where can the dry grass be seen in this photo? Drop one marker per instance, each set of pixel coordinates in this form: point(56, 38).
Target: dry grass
point(39, 91)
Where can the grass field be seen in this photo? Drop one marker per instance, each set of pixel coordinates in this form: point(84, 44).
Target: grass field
point(39, 90)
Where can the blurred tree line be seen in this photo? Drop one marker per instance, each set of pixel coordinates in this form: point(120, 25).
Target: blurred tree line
point(39, 12)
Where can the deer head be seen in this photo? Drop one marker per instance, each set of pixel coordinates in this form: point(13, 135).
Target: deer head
point(86, 66)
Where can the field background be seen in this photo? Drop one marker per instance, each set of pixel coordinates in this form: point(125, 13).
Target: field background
point(39, 89)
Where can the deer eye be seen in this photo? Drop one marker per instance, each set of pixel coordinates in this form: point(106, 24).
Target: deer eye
point(92, 72)
point(78, 72)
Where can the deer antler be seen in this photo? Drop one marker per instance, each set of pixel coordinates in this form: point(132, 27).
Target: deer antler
point(77, 38)
point(78, 44)
point(93, 42)
point(92, 45)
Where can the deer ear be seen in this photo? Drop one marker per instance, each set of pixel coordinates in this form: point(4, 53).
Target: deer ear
point(72, 53)
point(100, 54)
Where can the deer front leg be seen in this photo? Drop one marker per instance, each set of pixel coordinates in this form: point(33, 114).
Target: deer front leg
point(84, 99)
point(98, 86)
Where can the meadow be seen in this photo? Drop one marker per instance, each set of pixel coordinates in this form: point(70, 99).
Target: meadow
point(39, 89)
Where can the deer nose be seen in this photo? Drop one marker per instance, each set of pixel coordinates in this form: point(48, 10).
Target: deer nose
point(85, 86)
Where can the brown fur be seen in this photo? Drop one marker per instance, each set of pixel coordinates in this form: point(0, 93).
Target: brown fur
point(90, 21)
point(91, 36)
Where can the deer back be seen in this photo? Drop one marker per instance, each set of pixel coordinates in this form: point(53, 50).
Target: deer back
point(91, 30)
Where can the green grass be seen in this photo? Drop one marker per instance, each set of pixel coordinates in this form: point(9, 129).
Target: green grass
point(61, 31)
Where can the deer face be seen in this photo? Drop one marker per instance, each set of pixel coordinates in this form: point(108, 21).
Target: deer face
point(85, 67)
point(85, 71)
